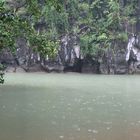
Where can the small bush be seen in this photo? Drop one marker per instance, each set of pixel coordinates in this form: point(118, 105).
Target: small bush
point(1, 74)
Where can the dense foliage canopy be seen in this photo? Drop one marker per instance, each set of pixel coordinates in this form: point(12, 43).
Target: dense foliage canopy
point(98, 24)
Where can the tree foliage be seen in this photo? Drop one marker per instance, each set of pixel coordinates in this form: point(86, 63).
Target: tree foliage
point(19, 19)
point(98, 24)
point(108, 22)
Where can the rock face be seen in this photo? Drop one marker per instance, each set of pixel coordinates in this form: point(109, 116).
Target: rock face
point(133, 55)
point(10, 69)
point(70, 54)
point(91, 65)
point(120, 60)
point(68, 58)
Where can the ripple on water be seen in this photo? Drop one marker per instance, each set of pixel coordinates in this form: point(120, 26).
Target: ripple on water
point(69, 105)
point(108, 128)
point(63, 117)
point(85, 103)
point(93, 131)
point(90, 109)
point(30, 104)
point(3, 106)
point(132, 123)
point(61, 137)
point(78, 129)
point(89, 130)
point(108, 123)
point(53, 107)
point(54, 123)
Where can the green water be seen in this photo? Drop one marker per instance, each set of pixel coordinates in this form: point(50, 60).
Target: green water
point(70, 107)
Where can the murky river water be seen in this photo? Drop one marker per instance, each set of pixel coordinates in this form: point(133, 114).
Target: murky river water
point(70, 107)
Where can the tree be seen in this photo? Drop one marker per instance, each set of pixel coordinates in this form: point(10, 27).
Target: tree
point(108, 24)
point(101, 26)
point(18, 19)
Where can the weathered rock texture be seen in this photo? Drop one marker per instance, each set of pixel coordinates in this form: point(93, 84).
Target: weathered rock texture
point(118, 60)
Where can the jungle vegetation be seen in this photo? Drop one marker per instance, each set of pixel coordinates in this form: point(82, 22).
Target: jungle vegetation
point(99, 24)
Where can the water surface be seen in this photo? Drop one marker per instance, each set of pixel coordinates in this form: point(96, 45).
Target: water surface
point(70, 107)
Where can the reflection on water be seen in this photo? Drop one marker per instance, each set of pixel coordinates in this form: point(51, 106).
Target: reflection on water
point(70, 107)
